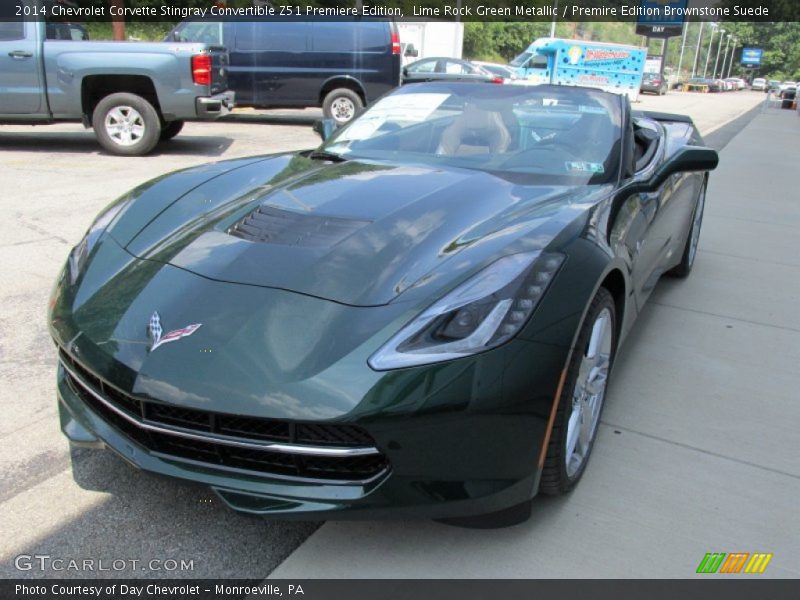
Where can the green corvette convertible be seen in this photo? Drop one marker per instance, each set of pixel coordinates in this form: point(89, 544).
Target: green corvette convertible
point(417, 318)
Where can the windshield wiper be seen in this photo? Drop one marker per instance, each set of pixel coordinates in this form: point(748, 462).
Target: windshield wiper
point(325, 155)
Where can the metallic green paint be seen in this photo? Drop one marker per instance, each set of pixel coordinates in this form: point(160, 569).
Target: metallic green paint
point(286, 332)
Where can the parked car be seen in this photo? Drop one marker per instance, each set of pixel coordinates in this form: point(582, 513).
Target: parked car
point(759, 84)
point(698, 83)
point(773, 86)
point(441, 68)
point(419, 317)
point(736, 83)
point(507, 73)
point(654, 83)
point(341, 66)
point(133, 94)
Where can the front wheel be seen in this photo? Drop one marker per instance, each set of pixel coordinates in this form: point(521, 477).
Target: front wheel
point(126, 124)
point(342, 105)
point(582, 398)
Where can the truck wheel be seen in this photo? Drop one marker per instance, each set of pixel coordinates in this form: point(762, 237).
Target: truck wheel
point(170, 130)
point(342, 105)
point(126, 124)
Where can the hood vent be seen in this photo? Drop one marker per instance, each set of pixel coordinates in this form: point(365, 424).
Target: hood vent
point(271, 225)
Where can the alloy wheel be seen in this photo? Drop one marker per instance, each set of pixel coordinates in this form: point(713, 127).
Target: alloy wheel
point(125, 125)
point(589, 393)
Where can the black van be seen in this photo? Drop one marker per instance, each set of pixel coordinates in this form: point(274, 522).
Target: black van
point(339, 65)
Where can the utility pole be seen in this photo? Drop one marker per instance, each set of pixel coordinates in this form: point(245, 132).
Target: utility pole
point(683, 46)
point(725, 56)
point(697, 49)
point(553, 22)
point(719, 47)
point(710, 45)
point(733, 52)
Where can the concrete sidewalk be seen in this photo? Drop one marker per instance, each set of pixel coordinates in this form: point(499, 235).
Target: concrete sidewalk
point(699, 449)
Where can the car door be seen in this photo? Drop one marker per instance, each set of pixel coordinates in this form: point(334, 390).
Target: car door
point(20, 78)
point(458, 69)
point(422, 70)
point(271, 61)
point(640, 229)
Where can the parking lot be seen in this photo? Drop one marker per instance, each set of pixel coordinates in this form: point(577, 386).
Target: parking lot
point(696, 453)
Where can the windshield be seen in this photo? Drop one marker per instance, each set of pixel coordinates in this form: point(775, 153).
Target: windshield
point(521, 59)
point(496, 70)
point(553, 134)
point(206, 32)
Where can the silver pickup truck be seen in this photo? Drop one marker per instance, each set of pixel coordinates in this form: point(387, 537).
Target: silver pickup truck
point(133, 94)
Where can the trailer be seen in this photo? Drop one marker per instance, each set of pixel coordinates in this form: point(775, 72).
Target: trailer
point(424, 39)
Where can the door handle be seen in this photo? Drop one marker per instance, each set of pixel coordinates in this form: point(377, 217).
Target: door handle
point(20, 54)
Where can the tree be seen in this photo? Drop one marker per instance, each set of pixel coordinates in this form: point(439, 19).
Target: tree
point(118, 23)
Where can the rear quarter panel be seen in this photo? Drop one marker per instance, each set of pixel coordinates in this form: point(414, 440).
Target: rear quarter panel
point(167, 65)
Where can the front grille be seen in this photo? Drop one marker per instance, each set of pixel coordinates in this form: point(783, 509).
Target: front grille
point(170, 421)
point(175, 415)
point(339, 435)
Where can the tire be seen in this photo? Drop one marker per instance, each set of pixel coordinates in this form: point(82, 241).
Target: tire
point(342, 105)
point(683, 268)
point(126, 124)
point(583, 394)
point(170, 130)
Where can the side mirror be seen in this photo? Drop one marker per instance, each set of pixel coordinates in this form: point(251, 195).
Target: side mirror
point(687, 159)
point(324, 128)
point(412, 51)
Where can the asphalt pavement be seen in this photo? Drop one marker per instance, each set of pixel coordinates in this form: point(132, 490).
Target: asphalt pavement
point(701, 400)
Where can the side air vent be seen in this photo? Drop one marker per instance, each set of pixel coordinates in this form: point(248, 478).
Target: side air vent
point(272, 225)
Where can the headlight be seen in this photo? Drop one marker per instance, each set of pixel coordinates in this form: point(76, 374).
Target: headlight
point(79, 254)
point(481, 313)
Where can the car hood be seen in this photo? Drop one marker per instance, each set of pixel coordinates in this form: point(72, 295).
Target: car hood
point(357, 233)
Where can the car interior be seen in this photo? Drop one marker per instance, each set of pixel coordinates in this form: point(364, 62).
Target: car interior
point(645, 143)
point(548, 136)
point(475, 130)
